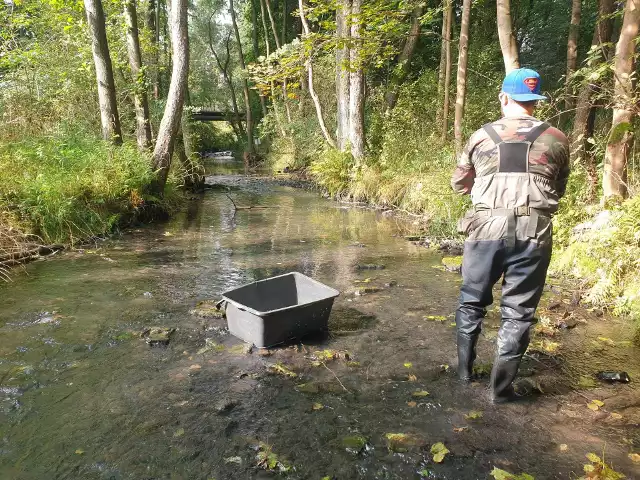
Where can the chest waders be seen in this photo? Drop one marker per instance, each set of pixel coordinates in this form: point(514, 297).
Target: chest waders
point(522, 264)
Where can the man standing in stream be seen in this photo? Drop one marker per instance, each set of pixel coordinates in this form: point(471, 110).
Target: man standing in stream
point(516, 170)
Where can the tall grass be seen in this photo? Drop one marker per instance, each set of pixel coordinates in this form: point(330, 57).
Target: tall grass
point(70, 185)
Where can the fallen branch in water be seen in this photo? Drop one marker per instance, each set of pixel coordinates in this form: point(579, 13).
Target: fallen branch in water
point(333, 373)
point(250, 207)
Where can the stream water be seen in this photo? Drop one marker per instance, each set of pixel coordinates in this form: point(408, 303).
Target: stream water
point(82, 396)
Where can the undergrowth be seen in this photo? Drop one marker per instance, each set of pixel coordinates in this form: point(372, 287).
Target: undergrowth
point(70, 186)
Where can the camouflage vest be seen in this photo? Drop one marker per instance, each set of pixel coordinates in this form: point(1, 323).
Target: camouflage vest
point(516, 164)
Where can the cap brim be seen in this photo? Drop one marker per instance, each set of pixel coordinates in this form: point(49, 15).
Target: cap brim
point(527, 97)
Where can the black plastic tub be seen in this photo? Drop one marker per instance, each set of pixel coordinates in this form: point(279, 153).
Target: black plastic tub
point(279, 309)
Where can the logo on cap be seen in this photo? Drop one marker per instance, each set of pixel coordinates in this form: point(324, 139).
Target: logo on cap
point(531, 83)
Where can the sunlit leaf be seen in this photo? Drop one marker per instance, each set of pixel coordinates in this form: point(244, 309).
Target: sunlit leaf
point(439, 451)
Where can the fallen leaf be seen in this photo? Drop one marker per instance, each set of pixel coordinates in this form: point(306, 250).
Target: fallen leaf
point(79, 452)
point(408, 364)
point(607, 341)
point(179, 432)
point(412, 378)
point(317, 406)
point(474, 415)
point(420, 393)
point(439, 451)
point(460, 429)
point(444, 367)
point(499, 474)
point(616, 416)
point(280, 369)
point(195, 367)
point(635, 457)
point(435, 318)
point(236, 460)
point(595, 405)
point(564, 447)
point(412, 404)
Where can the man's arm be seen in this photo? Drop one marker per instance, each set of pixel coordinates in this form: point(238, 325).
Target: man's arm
point(564, 166)
point(465, 173)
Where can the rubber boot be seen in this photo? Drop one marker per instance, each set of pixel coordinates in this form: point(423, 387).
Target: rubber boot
point(513, 340)
point(466, 355)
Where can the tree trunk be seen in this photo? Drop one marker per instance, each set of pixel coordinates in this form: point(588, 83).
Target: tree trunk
point(274, 104)
point(461, 81)
point(572, 52)
point(582, 127)
point(447, 69)
point(194, 173)
point(343, 11)
point(285, 15)
point(247, 101)
point(227, 76)
point(172, 116)
point(621, 136)
point(109, 117)
point(157, 79)
point(505, 33)
point(143, 126)
point(404, 59)
point(150, 16)
point(312, 92)
point(356, 87)
point(443, 63)
point(278, 46)
point(256, 48)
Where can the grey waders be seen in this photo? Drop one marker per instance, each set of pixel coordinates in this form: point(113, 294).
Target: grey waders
point(523, 265)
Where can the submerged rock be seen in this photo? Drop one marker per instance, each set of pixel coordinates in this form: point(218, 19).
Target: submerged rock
point(404, 442)
point(207, 309)
point(366, 290)
point(354, 443)
point(370, 266)
point(349, 320)
point(158, 336)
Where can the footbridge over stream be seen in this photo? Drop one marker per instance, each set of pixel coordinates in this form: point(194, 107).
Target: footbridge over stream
point(206, 115)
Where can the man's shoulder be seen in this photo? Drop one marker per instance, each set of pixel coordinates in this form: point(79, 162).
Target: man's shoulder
point(556, 134)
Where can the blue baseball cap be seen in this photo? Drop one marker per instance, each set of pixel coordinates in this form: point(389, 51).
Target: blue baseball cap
point(523, 85)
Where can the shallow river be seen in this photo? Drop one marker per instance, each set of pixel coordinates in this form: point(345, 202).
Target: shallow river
point(82, 396)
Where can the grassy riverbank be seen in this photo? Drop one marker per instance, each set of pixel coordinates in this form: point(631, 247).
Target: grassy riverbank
point(70, 186)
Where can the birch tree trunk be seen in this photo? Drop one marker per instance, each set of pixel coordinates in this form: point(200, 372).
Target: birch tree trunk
point(404, 59)
point(312, 91)
point(461, 79)
point(109, 117)
point(172, 116)
point(505, 33)
point(572, 51)
point(141, 103)
point(343, 33)
point(356, 87)
point(247, 100)
point(447, 69)
point(621, 136)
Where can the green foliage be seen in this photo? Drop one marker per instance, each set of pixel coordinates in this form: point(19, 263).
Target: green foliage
point(70, 186)
point(605, 257)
